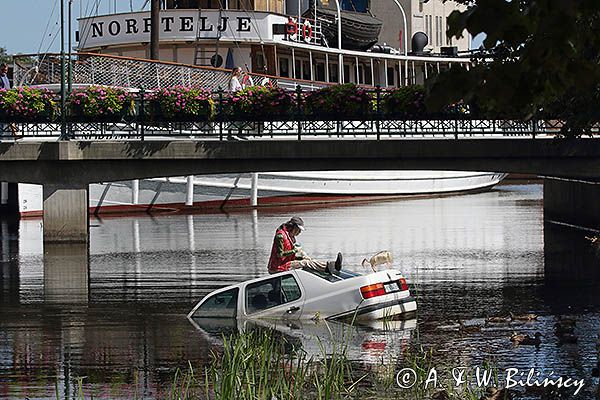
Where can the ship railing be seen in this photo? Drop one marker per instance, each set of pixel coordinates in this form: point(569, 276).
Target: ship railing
point(127, 72)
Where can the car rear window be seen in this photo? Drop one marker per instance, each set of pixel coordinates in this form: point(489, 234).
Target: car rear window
point(343, 274)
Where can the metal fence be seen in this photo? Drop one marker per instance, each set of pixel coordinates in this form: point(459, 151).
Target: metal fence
point(296, 130)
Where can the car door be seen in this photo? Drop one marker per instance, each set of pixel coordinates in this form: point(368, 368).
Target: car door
point(279, 296)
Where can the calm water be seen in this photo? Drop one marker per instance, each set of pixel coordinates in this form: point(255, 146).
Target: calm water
point(468, 257)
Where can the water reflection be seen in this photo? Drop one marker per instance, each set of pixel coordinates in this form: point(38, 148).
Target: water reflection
point(468, 257)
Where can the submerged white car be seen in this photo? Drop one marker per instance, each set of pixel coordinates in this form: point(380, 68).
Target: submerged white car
point(303, 294)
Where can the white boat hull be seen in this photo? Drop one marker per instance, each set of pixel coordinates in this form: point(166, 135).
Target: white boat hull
point(275, 188)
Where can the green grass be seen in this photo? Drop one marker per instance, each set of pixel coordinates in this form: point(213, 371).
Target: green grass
point(263, 364)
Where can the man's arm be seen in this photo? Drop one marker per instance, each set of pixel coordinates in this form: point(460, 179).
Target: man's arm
point(281, 252)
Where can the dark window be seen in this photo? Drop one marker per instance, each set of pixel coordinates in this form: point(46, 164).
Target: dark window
point(284, 67)
point(298, 74)
point(347, 78)
point(368, 80)
point(220, 305)
point(260, 66)
point(333, 73)
point(305, 70)
point(271, 293)
point(391, 74)
point(320, 72)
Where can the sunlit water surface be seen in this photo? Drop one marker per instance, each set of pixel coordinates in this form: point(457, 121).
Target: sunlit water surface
point(467, 257)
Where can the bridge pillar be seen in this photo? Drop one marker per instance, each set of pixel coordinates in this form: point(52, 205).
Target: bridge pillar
point(572, 230)
point(9, 202)
point(66, 214)
point(66, 272)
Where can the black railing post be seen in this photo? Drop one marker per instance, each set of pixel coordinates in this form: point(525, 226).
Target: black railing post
point(378, 110)
point(456, 128)
point(220, 112)
point(142, 113)
point(299, 110)
point(534, 130)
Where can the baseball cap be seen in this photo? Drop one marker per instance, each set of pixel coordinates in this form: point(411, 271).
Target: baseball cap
point(298, 222)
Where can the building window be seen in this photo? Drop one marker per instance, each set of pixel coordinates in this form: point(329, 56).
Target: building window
point(437, 30)
point(430, 29)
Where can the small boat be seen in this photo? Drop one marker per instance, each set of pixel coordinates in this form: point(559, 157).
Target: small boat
point(360, 30)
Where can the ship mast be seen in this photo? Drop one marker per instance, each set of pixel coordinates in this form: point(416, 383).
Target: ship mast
point(154, 29)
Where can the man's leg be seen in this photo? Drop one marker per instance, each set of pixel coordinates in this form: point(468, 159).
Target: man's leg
point(309, 264)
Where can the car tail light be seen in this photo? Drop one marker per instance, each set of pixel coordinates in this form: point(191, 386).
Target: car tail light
point(403, 285)
point(374, 290)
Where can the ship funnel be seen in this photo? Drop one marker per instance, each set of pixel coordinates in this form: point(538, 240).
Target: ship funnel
point(418, 42)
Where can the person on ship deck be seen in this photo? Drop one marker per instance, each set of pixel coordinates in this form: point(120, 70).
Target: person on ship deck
point(287, 253)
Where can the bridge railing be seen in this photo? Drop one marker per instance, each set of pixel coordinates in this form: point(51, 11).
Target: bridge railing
point(296, 130)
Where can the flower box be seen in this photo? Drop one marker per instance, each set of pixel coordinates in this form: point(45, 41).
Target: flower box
point(25, 104)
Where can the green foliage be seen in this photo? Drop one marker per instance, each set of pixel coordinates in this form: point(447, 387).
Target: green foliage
point(404, 102)
point(26, 105)
point(181, 104)
point(259, 103)
point(100, 104)
point(4, 56)
point(541, 58)
point(339, 102)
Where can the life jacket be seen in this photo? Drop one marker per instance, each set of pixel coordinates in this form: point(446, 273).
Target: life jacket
point(277, 263)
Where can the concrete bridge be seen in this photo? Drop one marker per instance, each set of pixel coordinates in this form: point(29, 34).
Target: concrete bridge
point(571, 168)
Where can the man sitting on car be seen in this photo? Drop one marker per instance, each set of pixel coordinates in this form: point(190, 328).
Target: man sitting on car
point(286, 254)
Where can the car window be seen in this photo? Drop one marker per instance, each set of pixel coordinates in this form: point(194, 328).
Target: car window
point(271, 293)
point(220, 305)
point(290, 289)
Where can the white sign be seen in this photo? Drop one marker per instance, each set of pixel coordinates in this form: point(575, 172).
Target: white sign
point(176, 25)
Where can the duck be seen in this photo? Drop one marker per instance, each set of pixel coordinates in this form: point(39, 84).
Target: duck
point(492, 393)
point(593, 239)
point(565, 338)
point(526, 340)
point(468, 328)
point(497, 320)
point(566, 321)
point(561, 329)
point(524, 317)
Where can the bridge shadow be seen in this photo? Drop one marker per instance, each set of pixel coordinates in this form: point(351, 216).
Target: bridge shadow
point(572, 255)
